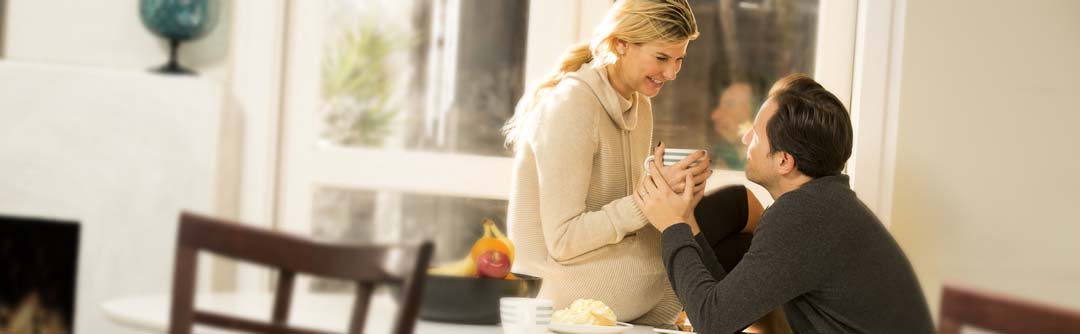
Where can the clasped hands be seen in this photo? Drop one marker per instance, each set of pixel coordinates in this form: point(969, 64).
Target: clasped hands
point(667, 195)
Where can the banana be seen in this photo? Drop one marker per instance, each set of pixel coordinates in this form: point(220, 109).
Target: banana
point(465, 267)
point(499, 235)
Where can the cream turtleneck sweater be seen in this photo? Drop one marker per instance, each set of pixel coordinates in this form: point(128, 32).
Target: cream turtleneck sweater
point(571, 216)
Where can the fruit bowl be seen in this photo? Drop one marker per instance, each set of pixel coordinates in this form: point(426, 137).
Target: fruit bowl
point(470, 300)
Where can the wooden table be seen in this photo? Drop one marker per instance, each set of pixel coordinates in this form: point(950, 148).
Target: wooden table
point(328, 312)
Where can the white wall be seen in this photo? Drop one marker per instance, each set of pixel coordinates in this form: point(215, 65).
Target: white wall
point(121, 152)
point(986, 184)
point(104, 33)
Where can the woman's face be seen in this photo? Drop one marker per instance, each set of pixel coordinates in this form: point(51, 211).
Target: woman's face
point(645, 67)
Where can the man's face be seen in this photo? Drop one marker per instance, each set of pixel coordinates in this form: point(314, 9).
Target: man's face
point(761, 167)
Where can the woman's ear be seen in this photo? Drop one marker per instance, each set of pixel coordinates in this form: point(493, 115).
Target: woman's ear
point(620, 46)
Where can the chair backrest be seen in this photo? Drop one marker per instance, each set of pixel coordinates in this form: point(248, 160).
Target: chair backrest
point(366, 265)
point(1001, 314)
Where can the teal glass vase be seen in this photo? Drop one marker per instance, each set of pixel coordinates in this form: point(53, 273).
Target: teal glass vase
point(178, 21)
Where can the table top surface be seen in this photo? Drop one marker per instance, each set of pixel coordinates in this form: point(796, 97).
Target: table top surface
point(321, 311)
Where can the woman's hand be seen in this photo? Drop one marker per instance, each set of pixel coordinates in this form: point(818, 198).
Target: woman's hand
point(676, 174)
point(661, 205)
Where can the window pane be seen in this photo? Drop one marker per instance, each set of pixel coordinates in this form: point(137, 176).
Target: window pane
point(425, 75)
point(745, 46)
point(365, 216)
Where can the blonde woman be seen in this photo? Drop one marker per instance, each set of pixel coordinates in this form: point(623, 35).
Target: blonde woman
point(580, 137)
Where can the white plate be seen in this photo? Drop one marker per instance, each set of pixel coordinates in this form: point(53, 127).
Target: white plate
point(586, 329)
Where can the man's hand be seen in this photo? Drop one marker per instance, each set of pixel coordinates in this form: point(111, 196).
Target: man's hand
point(660, 204)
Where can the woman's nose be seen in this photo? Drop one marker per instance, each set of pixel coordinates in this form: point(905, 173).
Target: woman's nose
point(671, 71)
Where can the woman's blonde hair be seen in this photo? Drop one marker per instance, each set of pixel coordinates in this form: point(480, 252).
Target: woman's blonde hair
point(631, 21)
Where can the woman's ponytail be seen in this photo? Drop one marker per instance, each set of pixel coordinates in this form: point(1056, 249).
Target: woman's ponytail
point(572, 60)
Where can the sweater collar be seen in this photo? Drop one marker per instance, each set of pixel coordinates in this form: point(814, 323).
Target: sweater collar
point(839, 180)
point(818, 183)
point(622, 111)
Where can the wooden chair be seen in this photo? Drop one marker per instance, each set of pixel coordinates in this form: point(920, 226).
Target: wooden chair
point(365, 265)
point(1001, 314)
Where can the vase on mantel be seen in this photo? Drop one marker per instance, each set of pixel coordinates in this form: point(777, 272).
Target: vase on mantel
point(178, 21)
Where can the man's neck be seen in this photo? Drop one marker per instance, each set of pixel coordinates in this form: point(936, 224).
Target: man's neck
point(787, 184)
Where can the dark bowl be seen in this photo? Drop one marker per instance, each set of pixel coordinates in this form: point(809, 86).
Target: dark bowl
point(468, 300)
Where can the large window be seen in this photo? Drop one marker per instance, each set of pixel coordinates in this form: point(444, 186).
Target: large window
point(393, 117)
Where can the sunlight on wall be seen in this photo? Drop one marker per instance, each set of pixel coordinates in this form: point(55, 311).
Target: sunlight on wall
point(985, 174)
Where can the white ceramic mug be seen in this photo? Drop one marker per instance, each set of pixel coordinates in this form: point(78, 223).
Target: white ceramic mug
point(525, 315)
point(673, 156)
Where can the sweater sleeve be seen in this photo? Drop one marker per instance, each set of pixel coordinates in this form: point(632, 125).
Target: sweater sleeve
point(783, 263)
point(565, 143)
point(708, 257)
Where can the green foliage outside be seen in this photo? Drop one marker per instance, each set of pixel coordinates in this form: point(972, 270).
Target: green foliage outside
point(357, 87)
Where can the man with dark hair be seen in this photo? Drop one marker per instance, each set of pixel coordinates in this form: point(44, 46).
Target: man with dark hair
point(818, 251)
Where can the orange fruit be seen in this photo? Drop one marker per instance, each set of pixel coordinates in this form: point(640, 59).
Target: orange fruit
point(485, 244)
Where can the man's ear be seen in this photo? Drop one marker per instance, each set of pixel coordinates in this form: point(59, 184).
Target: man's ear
point(786, 164)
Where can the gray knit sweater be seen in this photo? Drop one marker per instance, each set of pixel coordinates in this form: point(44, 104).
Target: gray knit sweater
point(819, 252)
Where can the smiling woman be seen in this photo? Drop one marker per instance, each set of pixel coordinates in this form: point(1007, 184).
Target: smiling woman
point(579, 136)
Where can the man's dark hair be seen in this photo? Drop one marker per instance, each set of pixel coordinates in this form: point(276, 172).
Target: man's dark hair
point(811, 124)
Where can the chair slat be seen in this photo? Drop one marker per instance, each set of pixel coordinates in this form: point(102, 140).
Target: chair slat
point(967, 307)
point(280, 250)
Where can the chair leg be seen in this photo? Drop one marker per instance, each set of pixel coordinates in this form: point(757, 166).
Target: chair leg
point(283, 297)
point(183, 302)
point(360, 310)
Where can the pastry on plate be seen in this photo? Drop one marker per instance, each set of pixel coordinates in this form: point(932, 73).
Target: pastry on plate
point(585, 312)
